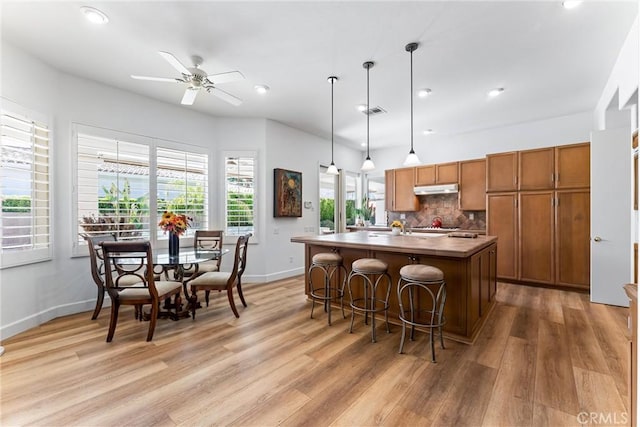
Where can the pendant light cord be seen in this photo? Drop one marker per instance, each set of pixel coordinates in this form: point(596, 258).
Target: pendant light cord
point(411, 102)
point(368, 112)
point(332, 80)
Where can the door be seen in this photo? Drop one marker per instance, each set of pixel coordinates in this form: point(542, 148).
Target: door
point(611, 226)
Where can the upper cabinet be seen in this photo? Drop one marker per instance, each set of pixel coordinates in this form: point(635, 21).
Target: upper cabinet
point(535, 169)
point(471, 196)
point(425, 175)
point(561, 167)
point(502, 171)
point(447, 173)
point(442, 173)
point(573, 166)
point(399, 195)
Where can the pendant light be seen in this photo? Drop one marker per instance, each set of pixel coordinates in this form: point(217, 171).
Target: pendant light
point(368, 163)
point(412, 158)
point(332, 169)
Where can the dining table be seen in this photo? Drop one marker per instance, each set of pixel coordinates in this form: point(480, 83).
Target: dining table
point(173, 267)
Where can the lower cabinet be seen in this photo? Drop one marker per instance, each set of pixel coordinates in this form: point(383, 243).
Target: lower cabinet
point(536, 228)
point(502, 221)
point(573, 240)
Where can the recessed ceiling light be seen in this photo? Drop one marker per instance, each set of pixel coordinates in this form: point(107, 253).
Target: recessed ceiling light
point(423, 93)
point(94, 15)
point(261, 89)
point(495, 92)
point(361, 107)
point(363, 144)
point(428, 131)
point(570, 4)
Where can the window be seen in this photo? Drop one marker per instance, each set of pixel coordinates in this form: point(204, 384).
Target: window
point(239, 179)
point(125, 182)
point(24, 189)
point(182, 186)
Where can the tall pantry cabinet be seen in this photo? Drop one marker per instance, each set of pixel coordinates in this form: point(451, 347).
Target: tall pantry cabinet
point(549, 197)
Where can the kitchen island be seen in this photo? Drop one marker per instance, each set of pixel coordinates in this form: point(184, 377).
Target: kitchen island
point(468, 264)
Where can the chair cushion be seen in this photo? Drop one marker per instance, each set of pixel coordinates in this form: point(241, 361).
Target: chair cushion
point(421, 273)
point(327, 258)
point(163, 287)
point(212, 279)
point(369, 265)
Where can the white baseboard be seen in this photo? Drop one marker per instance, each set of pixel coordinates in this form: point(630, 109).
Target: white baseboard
point(50, 313)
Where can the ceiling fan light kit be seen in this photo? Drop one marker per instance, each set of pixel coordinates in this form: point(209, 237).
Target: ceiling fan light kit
point(197, 79)
point(368, 164)
point(412, 158)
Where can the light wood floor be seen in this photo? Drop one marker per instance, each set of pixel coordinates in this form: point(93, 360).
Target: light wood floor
point(543, 357)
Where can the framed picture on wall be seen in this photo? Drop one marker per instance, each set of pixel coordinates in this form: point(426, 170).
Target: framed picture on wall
point(287, 193)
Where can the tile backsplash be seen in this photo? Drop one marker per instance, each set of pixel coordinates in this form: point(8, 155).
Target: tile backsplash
point(446, 207)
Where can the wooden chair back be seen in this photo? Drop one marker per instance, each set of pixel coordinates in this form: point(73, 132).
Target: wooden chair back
point(209, 240)
point(131, 259)
point(96, 260)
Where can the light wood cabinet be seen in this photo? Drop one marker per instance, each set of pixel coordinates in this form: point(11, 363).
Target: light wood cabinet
point(502, 172)
point(502, 221)
point(472, 192)
point(447, 173)
point(536, 243)
point(426, 175)
point(535, 169)
point(399, 195)
point(573, 166)
point(572, 233)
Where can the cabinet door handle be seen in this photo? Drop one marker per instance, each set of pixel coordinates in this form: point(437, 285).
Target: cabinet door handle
point(552, 176)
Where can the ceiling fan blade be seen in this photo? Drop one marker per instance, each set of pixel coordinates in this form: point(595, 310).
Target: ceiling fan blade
point(231, 76)
point(158, 79)
point(175, 63)
point(189, 96)
point(226, 96)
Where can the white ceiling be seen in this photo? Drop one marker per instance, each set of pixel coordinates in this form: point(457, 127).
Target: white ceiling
point(551, 61)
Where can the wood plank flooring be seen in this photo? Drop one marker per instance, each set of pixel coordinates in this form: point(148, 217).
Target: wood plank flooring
point(543, 357)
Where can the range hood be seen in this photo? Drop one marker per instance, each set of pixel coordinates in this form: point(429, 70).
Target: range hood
point(435, 189)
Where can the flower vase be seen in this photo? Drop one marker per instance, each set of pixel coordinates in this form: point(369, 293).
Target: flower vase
point(395, 231)
point(174, 245)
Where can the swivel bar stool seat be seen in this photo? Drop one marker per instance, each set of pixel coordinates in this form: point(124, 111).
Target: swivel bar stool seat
point(329, 263)
point(371, 271)
point(424, 289)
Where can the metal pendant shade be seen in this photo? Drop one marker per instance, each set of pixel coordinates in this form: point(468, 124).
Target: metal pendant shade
point(368, 163)
point(412, 158)
point(332, 169)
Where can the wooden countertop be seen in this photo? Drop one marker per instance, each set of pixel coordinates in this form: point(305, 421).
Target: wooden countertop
point(423, 244)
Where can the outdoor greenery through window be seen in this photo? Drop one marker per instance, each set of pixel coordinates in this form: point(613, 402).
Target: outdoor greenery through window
point(114, 182)
point(24, 190)
point(240, 194)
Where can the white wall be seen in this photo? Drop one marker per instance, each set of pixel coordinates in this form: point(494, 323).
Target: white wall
point(33, 294)
point(444, 148)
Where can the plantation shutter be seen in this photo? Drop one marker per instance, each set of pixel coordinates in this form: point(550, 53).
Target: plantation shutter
point(240, 195)
point(182, 186)
point(112, 187)
point(25, 221)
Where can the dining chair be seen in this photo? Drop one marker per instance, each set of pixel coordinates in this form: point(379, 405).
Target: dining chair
point(98, 268)
point(133, 260)
point(221, 281)
point(205, 240)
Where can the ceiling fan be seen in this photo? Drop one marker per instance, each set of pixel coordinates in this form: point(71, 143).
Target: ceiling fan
point(197, 79)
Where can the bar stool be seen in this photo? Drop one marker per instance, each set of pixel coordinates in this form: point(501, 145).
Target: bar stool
point(424, 288)
point(371, 271)
point(329, 263)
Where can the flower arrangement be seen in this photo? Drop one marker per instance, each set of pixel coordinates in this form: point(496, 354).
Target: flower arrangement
point(174, 223)
point(395, 224)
